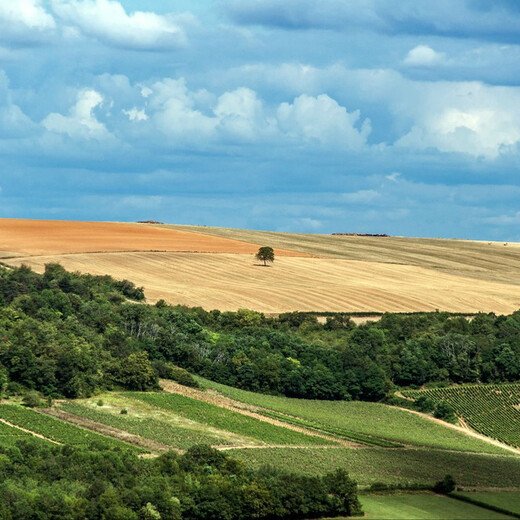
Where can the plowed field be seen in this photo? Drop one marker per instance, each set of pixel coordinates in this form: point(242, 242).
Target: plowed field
point(48, 237)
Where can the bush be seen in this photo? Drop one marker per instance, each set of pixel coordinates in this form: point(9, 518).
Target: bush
point(123, 411)
point(445, 412)
point(32, 399)
point(100, 402)
point(445, 486)
point(175, 373)
point(425, 404)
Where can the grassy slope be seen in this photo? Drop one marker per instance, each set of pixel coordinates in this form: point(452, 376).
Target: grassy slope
point(489, 409)
point(216, 417)
point(509, 500)
point(170, 432)
point(369, 418)
point(57, 430)
point(422, 507)
point(182, 422)
point(399, 466)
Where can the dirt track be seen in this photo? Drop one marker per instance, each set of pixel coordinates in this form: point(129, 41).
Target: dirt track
point(466, 430)
point(244, 409)
point(109, 431)
point(39, 435)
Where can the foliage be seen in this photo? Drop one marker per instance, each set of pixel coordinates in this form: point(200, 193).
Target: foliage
point(169, 371)
point(445, 486)
point(265, 254)
point(71, 335)
point(92, 484)
point(32, 399)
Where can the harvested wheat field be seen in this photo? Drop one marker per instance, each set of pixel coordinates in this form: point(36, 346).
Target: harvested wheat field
point(230, 281)
point(43, 237)
point(215, 267)
point(493, 261)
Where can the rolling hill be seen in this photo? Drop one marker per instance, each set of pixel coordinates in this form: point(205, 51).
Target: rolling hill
point(215, 267)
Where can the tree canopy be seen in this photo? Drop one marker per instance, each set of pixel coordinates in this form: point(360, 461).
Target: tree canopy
point(265, 254)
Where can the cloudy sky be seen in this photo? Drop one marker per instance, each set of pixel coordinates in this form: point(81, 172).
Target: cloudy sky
point(291, 115)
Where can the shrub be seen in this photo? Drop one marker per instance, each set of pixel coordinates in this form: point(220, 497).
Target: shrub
point(445, 486)
point(175, 373)
point(445, 412)
point(32, 399)
point(425, 404)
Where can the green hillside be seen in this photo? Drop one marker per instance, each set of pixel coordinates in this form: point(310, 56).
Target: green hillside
point(493, 410)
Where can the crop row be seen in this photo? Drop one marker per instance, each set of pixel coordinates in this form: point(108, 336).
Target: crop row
point(224, 419)
point(170, 434)
point(493, 410)
point(10, 431)
point(340, 433)
point(56, 430)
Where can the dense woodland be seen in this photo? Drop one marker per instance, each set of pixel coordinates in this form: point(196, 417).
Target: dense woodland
point(66, 334)
point(43, 483)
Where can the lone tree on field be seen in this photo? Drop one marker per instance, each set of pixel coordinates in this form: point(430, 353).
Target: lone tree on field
point(265, 254)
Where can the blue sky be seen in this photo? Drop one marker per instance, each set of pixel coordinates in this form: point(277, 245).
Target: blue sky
point(290, 115)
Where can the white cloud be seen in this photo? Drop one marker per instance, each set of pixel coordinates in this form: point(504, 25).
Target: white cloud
point(108, 21)
point(241, 115)
point(176, 114)
point(81, 123)
point(134, 114)
point(28, 13)
point(24, 22)
point(423, 56)
point(470, 118)
point(322, 120)
point(393, 177)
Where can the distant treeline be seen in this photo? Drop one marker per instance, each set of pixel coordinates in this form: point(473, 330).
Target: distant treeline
point(66, 334)
point(41, 482)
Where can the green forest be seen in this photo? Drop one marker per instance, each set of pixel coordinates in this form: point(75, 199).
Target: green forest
point(41, 482)
point(66, 334)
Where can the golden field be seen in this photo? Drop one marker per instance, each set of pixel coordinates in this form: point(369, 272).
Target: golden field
point(215, 267)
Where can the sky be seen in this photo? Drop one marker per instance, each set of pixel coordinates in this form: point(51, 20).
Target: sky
point(286, 115)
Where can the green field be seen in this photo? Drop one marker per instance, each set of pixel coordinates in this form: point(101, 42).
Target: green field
point(507, 500)
point(400, 467)
point(57, 430)
point(422, 507)
point(215, 417)
point(493, 410)
point(373, 419)
point(162, 431)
